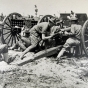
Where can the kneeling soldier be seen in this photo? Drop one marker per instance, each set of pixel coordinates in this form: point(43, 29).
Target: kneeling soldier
point(74, 35)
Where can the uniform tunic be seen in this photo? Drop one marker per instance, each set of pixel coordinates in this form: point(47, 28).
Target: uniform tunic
point(37, 31)
point(75, 30)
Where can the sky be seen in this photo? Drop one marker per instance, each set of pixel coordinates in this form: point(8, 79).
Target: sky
point(27, 7)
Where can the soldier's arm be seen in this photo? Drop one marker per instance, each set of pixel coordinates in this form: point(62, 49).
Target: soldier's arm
point(45, 28)
point(44, 37)
point(71, 33)
point(27, 50)
point(66, 29)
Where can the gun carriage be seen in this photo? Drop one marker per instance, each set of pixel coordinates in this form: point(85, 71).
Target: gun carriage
point(11, 34)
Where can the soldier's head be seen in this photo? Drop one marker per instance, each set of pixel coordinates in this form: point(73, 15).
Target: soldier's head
point(59, 22)
point(73, 18)
point(52, 22)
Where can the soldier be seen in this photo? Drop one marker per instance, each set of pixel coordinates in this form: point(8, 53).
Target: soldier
point(38, 33)
point(74, 35)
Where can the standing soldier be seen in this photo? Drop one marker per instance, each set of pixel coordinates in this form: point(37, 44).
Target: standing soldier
point(74, 35)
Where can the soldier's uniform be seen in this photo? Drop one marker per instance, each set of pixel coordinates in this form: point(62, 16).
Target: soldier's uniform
point(37, 31)
point(74, 36)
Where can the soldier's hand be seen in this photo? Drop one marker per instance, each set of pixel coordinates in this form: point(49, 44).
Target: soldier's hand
point(61, 32)
point(51, 35)
point(66, 33)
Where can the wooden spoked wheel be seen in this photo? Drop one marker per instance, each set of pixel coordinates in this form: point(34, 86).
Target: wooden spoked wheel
point(45, 18)
point(84, 37)
point(10, 33)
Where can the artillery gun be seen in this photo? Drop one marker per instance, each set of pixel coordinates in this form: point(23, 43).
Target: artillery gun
point(11, 34)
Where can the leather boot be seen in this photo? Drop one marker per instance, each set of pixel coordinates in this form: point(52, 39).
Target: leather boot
point(59, 55)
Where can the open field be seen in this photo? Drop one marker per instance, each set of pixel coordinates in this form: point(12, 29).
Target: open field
point(45, 73)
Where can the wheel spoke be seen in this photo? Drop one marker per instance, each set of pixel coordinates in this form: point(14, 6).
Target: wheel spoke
point(9, 20)
point(6, 33)
point(7, 28)
point(42, 20)
point(9, 39)
point(17, 37)
point(8, 36)
point(87, 48)
point(12, 40)
point(86, 35)
point(48, 19)
point(15, 16)
point(12, 17)
point(86, 41)
point(8, 25)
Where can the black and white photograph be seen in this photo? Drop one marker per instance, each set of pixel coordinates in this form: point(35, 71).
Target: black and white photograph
point(43, 44)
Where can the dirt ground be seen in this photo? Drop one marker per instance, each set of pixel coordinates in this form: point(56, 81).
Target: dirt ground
point(46, 73)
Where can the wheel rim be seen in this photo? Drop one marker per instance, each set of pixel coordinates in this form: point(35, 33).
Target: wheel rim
point(85, 37)
point(45, 18)
point(10, 34)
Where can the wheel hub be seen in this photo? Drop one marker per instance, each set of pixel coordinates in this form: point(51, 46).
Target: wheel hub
point(15, 31)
